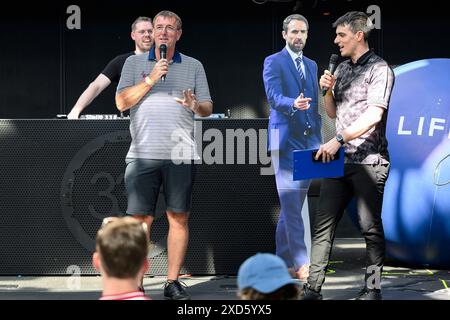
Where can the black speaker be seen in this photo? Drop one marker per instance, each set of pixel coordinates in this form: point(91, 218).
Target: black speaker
point(60, 178)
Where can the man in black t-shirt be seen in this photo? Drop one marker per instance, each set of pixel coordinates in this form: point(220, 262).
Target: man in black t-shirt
point(141, 33)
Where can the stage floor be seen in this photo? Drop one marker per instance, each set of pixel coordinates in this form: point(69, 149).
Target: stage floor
point(343, 282)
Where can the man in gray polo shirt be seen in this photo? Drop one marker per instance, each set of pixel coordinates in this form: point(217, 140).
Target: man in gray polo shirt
point(358, 98)
point(163, 96)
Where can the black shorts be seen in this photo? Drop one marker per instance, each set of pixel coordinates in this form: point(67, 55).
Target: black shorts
point(143, 180)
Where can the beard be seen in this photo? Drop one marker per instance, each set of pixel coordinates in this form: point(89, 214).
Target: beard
point(295, 48)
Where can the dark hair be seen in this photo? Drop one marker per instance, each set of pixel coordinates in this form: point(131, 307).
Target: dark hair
point(169, 14)
point(123, 247)
point(140, 19)
point(357, 21)
point(294, 17)
point(289, 291)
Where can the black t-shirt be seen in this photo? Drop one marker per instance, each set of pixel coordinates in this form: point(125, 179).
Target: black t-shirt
point(114, 67)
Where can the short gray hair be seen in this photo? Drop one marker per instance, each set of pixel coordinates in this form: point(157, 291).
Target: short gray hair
point(169, 14)
point(356, 21)
point(294, 17)
point(140, 19)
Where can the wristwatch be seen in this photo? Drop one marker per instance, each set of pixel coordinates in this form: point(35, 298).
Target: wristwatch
point(340, 139)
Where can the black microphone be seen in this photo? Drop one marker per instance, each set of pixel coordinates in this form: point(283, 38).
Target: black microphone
point(163, 53)
point(331, 67)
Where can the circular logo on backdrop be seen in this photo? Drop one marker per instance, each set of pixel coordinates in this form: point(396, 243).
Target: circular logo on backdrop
point(93, 189)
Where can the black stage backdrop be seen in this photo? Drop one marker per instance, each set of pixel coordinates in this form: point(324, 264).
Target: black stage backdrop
point(44, 66)
point(60, 178)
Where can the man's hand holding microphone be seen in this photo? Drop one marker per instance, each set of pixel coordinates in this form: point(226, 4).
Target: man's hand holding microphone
point(327, 79)
point(328, 150)
point(326, 82)
point(159, 70)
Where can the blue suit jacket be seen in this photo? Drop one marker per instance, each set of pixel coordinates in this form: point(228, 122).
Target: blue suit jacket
point(283, 85)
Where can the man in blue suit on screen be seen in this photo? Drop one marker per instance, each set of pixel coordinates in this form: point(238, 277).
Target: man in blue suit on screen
point(291, 85)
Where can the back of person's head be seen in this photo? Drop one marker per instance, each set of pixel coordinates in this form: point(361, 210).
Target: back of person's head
point(356, 21)
point(122, 247)
point(265, 276)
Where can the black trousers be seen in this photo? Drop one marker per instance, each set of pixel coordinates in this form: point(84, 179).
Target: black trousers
point(365, 183)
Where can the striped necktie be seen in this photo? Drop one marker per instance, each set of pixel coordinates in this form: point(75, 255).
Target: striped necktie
point(299, 67)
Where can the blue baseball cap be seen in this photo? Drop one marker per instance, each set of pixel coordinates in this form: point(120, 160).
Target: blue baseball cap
point(264, 272)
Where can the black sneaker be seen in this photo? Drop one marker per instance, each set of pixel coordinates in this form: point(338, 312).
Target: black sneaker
point(174, 290)
point(369, 294)
point(310, 294)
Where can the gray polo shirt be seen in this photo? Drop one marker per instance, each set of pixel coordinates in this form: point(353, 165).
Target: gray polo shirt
point(368, 82)
point(160, 127)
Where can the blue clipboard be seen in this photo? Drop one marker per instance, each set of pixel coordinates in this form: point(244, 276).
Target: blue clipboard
point(305, 167)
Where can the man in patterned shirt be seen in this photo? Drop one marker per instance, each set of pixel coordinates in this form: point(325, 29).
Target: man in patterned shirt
point(358, 98)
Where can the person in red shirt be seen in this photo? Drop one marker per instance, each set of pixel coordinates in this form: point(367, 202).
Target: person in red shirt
point(121, 258)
